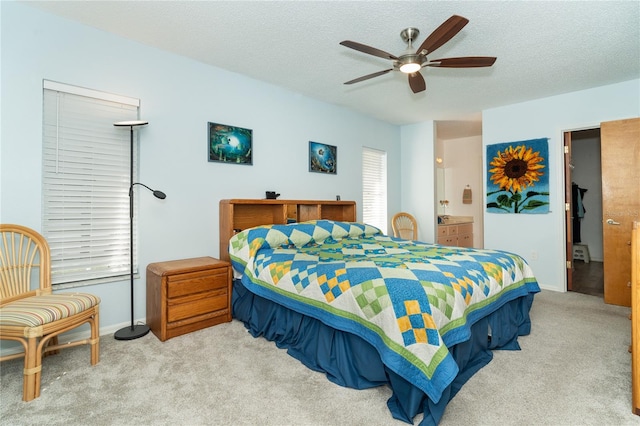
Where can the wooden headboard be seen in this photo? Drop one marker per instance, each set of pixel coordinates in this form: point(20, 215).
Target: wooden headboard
point(237, 215)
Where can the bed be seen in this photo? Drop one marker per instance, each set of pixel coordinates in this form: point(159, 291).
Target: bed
point(367, 309)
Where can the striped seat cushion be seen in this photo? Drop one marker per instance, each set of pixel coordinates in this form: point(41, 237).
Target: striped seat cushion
point(39, 310)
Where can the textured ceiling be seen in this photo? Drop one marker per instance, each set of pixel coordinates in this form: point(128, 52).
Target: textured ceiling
point(543, 48)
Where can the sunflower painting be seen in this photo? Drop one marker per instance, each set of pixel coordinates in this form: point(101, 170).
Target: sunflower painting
point(518, 177)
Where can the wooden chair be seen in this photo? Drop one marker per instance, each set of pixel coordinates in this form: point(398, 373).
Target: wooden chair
point(404, 226)
point(36, 317)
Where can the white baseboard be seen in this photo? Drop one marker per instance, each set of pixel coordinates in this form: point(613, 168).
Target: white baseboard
point(15, 347)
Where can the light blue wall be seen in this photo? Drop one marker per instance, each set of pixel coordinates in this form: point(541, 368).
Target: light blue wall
point(418, 176)
point(550, 117)
point(178, 97)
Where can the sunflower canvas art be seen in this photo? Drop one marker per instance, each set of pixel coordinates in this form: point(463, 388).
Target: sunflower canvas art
point(518, 177)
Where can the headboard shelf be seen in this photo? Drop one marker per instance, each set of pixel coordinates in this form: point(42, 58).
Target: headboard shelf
point(239, 214)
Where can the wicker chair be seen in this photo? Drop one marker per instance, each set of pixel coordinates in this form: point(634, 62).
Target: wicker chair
point(404, 226)
point(36, 317)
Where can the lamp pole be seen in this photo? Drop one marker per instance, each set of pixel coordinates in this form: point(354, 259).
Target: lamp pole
point(134, 331)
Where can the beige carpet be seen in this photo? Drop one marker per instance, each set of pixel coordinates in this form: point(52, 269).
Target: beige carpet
point(574, 369)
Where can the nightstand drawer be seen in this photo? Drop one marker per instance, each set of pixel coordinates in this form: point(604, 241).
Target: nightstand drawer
point(196, 282)
point(193, 306)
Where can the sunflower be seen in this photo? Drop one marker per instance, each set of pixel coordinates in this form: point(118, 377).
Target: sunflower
point(516, 168)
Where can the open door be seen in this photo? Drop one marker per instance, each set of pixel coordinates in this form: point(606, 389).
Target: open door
point(620, 147)
point(635, 318)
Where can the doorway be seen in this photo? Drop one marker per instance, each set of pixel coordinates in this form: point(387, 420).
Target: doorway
point(583, 189)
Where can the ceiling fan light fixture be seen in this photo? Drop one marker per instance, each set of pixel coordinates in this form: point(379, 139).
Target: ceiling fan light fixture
point(409, 63)
point(410, 67)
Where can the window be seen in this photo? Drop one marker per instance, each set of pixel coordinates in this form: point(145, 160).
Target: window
point(85, 186)
point(374, 188)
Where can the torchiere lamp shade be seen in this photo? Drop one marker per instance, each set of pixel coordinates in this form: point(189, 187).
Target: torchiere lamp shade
point(130, 123)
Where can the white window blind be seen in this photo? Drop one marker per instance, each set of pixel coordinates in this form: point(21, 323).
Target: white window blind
point(86, 183)
point(374, 188)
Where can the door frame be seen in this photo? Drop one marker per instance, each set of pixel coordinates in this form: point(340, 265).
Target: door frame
point(568, 211)
point(568, 220)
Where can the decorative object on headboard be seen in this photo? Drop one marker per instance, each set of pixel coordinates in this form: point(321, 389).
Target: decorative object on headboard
point(239, 214)
point(271, 195)
point(518, 177)
point(229, 144)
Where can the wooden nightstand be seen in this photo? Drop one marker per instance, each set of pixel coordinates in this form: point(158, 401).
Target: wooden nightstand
point(187, 295)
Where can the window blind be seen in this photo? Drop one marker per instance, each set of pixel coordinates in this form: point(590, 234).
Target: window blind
point(374, 188)
point(86, 183)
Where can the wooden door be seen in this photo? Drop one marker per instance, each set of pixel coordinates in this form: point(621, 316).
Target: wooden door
point(635, 318)
point(620, 147)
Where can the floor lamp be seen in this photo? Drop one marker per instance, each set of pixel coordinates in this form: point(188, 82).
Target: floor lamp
point(135, 330)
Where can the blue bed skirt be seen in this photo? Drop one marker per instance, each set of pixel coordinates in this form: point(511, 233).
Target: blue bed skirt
point(349, 361)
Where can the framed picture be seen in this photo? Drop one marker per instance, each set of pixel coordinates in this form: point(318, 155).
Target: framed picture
point(230, 144)
point(323, 158)
point(518, 177)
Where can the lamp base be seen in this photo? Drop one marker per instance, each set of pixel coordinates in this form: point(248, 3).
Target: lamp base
point(130, 333)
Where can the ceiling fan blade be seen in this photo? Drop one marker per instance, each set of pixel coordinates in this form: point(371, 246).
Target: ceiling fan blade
point(416, 81)
point(368, 76)
point(368, 49)
point(464, 62)
point(443, 33)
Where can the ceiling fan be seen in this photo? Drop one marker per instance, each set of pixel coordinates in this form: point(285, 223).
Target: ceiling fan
point(411, 63)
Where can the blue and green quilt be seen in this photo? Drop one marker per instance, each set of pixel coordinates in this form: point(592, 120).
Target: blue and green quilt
point(410, 300)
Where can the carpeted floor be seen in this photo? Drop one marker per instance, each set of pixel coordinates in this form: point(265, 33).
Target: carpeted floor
point(574, 369)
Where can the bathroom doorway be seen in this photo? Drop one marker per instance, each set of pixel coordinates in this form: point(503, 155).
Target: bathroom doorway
point(583, 189)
